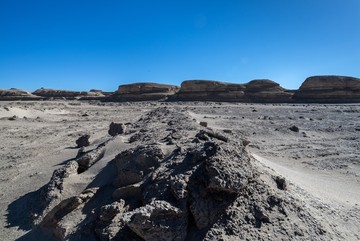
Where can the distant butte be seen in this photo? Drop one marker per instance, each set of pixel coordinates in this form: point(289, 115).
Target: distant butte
point(315, 89)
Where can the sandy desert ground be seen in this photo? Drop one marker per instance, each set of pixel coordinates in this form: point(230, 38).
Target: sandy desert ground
point(320, 161)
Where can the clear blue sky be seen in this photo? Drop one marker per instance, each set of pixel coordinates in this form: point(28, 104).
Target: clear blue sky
point(84, 44)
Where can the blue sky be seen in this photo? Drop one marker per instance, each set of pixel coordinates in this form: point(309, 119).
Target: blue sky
point(86, 44)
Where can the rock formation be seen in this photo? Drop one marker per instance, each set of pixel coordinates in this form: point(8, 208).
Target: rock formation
point(316, 89)
point(208, 90)
point(266, 91)
point(254, 91)
point(176, 180)
point(143, 92)
point(68, 94)
point(329, 89)
point(16, 94)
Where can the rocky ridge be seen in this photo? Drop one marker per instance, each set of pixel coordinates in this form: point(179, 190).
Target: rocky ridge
point(16, 94)
point(316, 89)
point(329, 89)
point(143, 92)
point(67, 94)
point(172, 180)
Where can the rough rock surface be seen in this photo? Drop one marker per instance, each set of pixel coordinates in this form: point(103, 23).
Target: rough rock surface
point(143, 92)
point(329, 89)
point(83, 141)
point(116, 129)
point(177, 181)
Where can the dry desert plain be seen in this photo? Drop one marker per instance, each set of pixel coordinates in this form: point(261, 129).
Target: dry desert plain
point(304, 182)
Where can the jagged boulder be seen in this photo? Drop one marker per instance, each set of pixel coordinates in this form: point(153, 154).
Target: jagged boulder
point(158, 221)
point(329, 89)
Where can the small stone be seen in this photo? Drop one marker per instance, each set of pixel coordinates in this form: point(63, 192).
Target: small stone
point(203, 123)
point(116, 128)
point(12, 118)
point(246, 142)
point(294, 129)
point(280, 182)
point(83, 141)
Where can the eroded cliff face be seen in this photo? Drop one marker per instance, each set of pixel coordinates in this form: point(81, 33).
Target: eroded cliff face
point(315, 89)
point(254, 91)
point(329, 89)
point(143, 92)
point(16, 94)
point(68, 94)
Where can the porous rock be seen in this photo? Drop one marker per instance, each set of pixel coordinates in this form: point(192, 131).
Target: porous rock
point(83, 141)
point(116, 129)
point(158, 221)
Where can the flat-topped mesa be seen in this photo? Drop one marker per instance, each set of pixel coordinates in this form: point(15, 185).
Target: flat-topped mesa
point(265, 90)
point(16, 94)
point(329, 89)
point(209, 90)
point(254, 91)
point(67, 94)
point(143, 92)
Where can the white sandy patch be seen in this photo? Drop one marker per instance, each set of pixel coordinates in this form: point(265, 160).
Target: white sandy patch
point(329, 187)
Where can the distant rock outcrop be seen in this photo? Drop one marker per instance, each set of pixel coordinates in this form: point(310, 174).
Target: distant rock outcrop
point(16, 94)
point(264, 90)
point(143, 92)
point(254, 91)
point(68, 94)
point(209, 90)
point(329, 89)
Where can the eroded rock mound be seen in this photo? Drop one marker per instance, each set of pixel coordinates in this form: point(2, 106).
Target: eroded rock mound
point(329, 89)
point(254, 91)
point(176, 180)
point(68, 94)
point(265, 90)
point(203, 90)
point(143, 92)
point(16, 94)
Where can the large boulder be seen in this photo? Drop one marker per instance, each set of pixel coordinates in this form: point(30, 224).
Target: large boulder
point(143, 92)
point(329, 89)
